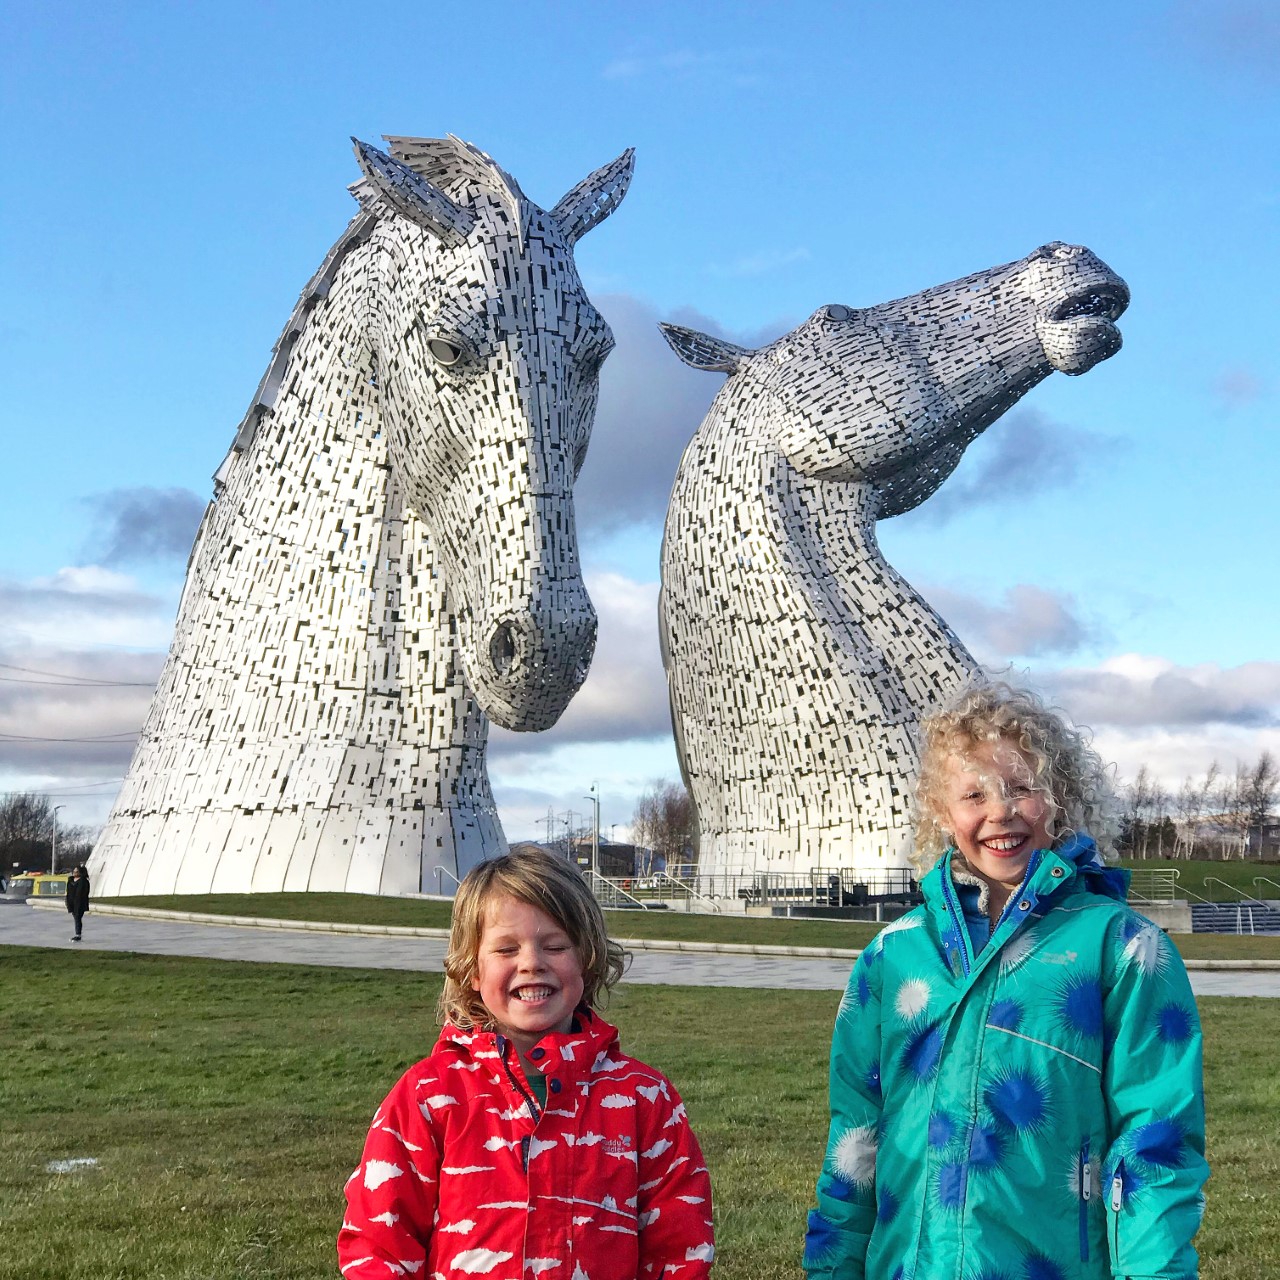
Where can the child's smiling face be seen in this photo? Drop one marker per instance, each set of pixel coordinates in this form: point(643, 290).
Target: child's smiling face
point(996, 816)
point(529, 973)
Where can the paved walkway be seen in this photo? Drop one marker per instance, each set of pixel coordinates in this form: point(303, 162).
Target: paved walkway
point(21, 925)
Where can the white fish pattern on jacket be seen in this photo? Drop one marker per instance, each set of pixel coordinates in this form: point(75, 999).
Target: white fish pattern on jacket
point(799, 662)
point(390, 558)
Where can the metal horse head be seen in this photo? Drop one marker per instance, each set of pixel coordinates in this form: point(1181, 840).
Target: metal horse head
point(487, 354)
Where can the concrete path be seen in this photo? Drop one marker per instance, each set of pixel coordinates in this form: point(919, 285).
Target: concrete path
point(21, 925)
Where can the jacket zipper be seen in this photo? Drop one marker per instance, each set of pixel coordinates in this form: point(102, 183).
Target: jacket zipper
point(1086, 1194)
point(534, 1110)
point(1117, 1202)
point(957, 923)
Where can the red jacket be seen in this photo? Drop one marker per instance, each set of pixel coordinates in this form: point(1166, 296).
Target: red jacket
point(462, 1175)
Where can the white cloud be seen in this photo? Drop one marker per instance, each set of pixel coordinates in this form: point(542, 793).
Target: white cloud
point(93, 605)
point(759, 264)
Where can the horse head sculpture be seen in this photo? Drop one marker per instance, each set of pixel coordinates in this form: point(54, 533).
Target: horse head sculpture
point(390, 558)
point(798, 661)
point(488, 355)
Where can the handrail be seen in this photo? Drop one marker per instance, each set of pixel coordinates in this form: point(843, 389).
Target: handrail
point(1257, 902)
point(457, 884)
point(684, 887)
point(1265, 880)
point(596, 880)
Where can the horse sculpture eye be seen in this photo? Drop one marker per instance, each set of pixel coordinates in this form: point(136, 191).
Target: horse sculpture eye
point(446, 353)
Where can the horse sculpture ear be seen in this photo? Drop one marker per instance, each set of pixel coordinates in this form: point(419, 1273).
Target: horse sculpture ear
point(595, 197)
point(413, 196)
point(702, 351)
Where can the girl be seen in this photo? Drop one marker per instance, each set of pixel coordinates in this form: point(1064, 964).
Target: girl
point(527, 1141)
point(1015, 1071)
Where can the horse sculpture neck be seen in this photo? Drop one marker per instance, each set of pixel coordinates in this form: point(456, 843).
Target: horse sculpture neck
point(799, 662)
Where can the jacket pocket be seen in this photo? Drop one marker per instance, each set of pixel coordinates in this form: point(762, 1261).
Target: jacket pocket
point(1086, 1195)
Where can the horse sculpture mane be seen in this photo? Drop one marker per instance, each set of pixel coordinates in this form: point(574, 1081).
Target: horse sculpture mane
point(389, 559)
point(799, 662)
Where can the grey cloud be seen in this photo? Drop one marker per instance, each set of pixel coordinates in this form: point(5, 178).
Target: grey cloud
point(144, 524)
point(1029, 622)
point(1025, 452)
point(50, 725)
point(650, 406)
point(625, 696)
point(1247, 696)
point(68, 596)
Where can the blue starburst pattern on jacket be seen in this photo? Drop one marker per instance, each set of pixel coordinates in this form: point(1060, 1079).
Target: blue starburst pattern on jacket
point(820, 1240)
point(1159, 1143)
point(953, 1178)
point(1174, 1023)
point(941, 1129)
point(922, 1050)
point(986, 1147)
point(864, 988)
point(1080, 1004)
point(1038, 1267)
point(1131, 927)
point(1005, 1014)
point(886, 1205)
point(1019, 1100)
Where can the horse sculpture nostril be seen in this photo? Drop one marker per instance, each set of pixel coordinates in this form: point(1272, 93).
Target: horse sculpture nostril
point(502, 649)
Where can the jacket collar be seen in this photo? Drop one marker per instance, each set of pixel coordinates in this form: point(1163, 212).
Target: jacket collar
point(570, 1053)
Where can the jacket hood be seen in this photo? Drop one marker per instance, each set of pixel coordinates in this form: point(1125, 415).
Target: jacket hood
point(1091, 871)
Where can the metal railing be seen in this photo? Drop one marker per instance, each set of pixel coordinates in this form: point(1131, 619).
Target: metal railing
point(1230, 888)
point(1265, 880)
point(444, 871)
point(610, 893)
point(1244, 908)
point(1153, 885)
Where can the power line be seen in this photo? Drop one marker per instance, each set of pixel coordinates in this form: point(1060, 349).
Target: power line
point(66, 678)
point(116, 738)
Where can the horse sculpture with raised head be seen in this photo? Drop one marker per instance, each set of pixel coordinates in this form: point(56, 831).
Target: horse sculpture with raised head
point(799, 663)
point(390, 557)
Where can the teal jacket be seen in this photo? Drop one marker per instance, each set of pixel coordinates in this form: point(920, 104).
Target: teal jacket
point(1034, 1111)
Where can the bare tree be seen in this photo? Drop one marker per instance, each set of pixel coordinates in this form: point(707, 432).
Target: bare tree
point(1192, 805)
point(1258, 795)
point(666, 822)
point(27, 821)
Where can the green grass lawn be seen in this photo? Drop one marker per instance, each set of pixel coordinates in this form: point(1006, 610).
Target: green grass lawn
point(226, 1104)
point(356, 908)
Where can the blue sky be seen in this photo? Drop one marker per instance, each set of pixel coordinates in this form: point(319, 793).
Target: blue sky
point(179, 172)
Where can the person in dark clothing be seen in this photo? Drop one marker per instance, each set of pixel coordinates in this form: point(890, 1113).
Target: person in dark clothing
point(78, 897)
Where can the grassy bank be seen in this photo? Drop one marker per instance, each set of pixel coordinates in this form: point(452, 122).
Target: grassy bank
point(355, 908)
point(1239, 875)
point(226, 1103)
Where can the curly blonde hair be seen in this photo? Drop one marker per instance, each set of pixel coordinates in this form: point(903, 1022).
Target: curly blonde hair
point(538, 880)
point(1064, 767)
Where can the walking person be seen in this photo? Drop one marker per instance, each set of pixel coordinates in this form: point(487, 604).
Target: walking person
point(78, 897)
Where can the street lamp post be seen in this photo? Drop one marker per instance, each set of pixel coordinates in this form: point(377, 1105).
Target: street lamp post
point(53, 856)
point(595, 830)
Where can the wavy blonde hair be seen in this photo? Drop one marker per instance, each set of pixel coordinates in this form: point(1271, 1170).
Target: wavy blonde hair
point(1065, 769)
point(538, 880)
